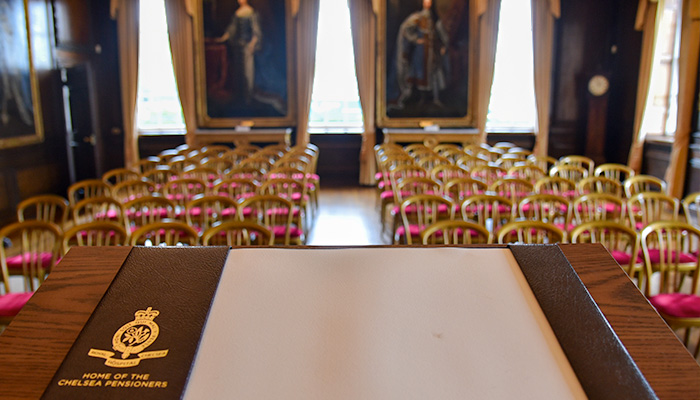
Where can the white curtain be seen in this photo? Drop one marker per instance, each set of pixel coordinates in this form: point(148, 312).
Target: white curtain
point(488, 13)
point(306, 13)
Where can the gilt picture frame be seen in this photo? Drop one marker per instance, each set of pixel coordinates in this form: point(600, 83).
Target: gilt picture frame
point(426, 68)
point(20, 105)
point(244, 63)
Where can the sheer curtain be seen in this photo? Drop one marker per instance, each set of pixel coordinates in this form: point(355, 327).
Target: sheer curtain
point(126, 12)
point(306, 16)
point(647, 22)
point(544, 13)
point(363, 22)
point(179, 15)
point(488, 12)
point(688, 72)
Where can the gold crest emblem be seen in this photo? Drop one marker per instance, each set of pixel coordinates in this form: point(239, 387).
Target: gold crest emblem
point(131, 339)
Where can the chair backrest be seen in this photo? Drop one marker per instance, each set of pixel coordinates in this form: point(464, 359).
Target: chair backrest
point(671, 248)
point(147, 164)
point(202, 212)
point(620, 240)
point(512, 188)
point(420, 211)
point(205, 174)
point(599, 184)
point(96, 233)
point(87, 188)
point(222, 165)
point(618, 172)
point(544, 162)
point(160, 176)
point(118, 175)
point(548, 208)
point(237, 233)
point(456, 232)
point(599, 207)
point(48, 207)
point(580, 161)
point(469, 161)
point(147, 210)
point(133, 189)
point(237, 188)
point(488, 173)
point(236, 156)
point(691, 208)
point(530, 232)
point(556, 185)
point(183, 190)
point(459, 189)
point(643, 183)
point(647, 207)
point(165, 233)
point(98, 209)
point(488, 210)
point(36, 247)
point(531, 173)
point(444, 172)
point(275, 213)
point(414, 185)
point(569, 171)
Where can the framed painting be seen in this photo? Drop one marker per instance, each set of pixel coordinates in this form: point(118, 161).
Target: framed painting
point(20, 109)
point(243, 63)
point(426, 68)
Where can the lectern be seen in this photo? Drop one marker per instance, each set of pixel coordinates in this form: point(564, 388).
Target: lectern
point(343, 322)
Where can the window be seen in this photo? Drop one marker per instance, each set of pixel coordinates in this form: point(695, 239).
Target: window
point(158, 105)
point(335, 102)
point(661, 108)
point(512, 104)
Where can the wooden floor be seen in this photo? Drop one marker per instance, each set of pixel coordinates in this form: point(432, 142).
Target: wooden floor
point(347, 217)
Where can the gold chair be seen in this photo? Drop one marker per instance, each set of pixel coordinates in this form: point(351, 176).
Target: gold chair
point(237, 233)
point(691, 208)
point(178, 164)
point(165, 233)
point(620, 240)
point(236, 156)
point(599, 207)
point(147, 210)
point(556, 185)
point(119, 175)
point(202, 212)
point(488, 173)
point(531, 173)
point(599, 184)
point(549, 208)
point(459, 189)
point(456, 232)
point(208, 175)
point(444, 172)
point(643, 183)
point(420, 211)
point(98, 209)
point(580, 161)
point(147, 164)
point(618, 172)
point(512, 188)
point(48, 207)
point(182, 191)
point(671, 248)
point(488, 210)
point(469, 162)
point(544, 162)
point(160, 176)
point(295, 191)
point(222, 166)
point(88, 188)
point(35, 249)
point(95, 233)
point(276, 214)
point(237, 188)
point(571, 172)
point(530, 232)
point(647, 207)
point(133, 189)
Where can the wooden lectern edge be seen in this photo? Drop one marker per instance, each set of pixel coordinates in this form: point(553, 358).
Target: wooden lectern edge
point(34, 345)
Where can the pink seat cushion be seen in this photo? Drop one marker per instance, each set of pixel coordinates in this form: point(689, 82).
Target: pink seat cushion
point(280, 231)
point(623, 258)
point(679, 305)
point(11, 303)
point(15, 262)
point(655, 257)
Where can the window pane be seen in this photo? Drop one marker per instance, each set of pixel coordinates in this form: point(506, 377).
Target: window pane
point(158, 103)
point(335, 102)
point(512, 104)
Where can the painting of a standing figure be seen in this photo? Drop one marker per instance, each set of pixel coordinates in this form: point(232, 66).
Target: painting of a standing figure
point(244, 67)
point(17, 111)
point(424, 61)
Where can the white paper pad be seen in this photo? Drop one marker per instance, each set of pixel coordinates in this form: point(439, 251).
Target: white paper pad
point(380, 323)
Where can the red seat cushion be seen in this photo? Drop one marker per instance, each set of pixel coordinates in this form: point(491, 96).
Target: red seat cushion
point(11, 303)
point(655, 257)
point(15, 262)
point(623, 258)
point(678, 305)
point(280, 231)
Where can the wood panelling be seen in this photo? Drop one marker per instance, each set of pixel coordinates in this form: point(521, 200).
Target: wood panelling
point(31, 181)
point(339, 158)
point(72, 24)
point(591, 37)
